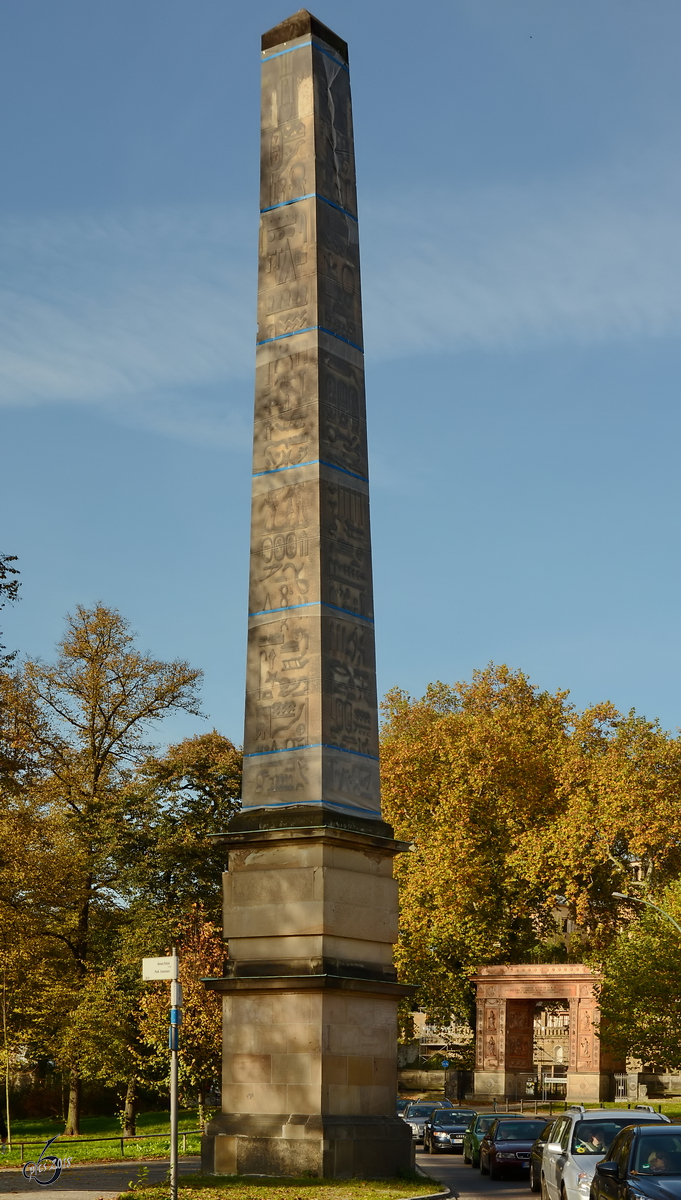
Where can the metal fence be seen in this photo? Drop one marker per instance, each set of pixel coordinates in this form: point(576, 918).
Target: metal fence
point(139, 1137)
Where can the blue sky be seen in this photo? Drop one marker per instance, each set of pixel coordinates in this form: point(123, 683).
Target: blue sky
point(520, 217)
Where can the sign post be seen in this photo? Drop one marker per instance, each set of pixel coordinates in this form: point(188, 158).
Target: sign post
point(167, 968)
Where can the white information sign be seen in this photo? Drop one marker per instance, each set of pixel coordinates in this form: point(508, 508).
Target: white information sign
point(160, 968)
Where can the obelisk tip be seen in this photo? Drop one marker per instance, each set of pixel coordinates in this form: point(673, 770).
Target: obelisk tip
point(297, 26)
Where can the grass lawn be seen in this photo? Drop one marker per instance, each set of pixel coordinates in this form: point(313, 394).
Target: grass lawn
point(232, 1187)
point(80, 1150)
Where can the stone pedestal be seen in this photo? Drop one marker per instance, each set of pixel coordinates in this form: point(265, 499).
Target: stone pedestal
point(587, 1086)
point(310, 1002)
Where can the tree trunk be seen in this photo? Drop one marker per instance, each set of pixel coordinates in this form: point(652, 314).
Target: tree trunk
point(202, 1108)
point(72, 1128)
point(130, 1108)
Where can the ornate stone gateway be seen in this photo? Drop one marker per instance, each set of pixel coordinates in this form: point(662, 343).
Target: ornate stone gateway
point(506, 1002)
point(310, 908)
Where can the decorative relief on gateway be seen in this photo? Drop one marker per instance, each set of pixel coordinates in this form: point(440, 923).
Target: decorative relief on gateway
point(280, 554)
point(585, 1037)
point(286, 421)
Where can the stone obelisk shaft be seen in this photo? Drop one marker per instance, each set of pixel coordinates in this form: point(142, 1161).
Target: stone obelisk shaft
point(311, 732)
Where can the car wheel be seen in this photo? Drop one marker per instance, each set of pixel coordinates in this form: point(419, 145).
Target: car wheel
point(535, 1185)
point(475, 1160)
point(484, 1170)
point(466, 1159)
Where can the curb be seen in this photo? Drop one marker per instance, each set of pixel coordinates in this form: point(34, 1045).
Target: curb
point(443, 1195)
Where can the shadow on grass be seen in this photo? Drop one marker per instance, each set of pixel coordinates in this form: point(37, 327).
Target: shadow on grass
point(269, 1187)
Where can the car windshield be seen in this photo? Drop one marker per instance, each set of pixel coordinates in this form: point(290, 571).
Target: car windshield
point(658, 1154)
point(596, 1137)
point(417, 1111)
point(401, 1105)
point(446, 1118)
point(518, 1131)
point(482, 1124)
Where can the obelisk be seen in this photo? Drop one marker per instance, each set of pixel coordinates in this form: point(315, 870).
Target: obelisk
point(310, 909)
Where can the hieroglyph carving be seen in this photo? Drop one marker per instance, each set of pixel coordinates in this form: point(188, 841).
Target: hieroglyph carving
point(311, 706)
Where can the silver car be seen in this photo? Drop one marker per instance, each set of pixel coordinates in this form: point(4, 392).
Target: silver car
point(418, 1113)
point(579, 1139)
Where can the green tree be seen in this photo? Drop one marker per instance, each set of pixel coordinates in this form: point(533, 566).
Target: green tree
point(86, 718)
point(202, 951)
point(640, 996)
point(180, 799)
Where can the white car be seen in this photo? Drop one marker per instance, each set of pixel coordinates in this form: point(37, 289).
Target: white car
point(579, 1139)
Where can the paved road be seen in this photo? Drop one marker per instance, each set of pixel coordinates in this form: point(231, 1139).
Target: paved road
point(465, 1181)
point(105, 1181)
point(93, 1181)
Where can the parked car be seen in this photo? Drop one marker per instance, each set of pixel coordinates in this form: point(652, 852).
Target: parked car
point(416, 1114)
point(474, 1135)
point(536, 1155)
point(643, 1163)
point(507, 1145)
point(576, 1143)
point(445, 1128)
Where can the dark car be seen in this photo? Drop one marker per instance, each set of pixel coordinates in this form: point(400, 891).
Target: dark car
point(473, 1137)
point(536, 1155)
point(416, 1114)
point(507, 1145)
point(402, 1103)
point(445, 1128)
point(643, 1163)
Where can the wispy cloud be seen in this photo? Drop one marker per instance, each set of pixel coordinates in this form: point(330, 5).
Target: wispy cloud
point(515, 267)
point(151, 315)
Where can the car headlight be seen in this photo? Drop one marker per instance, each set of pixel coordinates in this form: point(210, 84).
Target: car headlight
point(584, 1183)
point(505, 1154)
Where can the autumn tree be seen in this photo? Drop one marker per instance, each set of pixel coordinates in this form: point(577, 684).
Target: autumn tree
point(510, 797)
point(617, 821)
point(87, 718)
point(201, 951)
point(9, 590)
point(466, 772)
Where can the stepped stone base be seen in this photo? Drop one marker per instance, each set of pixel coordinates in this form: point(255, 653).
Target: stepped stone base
point(322, 1146)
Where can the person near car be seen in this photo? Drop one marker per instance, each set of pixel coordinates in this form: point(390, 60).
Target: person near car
point(590, 1144)
point(659, 1162)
